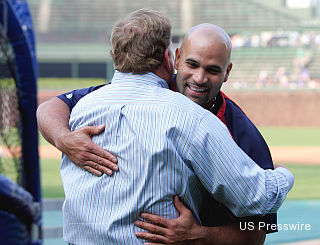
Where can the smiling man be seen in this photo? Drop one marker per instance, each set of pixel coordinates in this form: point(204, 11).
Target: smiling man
point(203, 65)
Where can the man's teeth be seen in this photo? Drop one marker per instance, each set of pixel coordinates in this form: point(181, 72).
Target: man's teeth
point(197, 89)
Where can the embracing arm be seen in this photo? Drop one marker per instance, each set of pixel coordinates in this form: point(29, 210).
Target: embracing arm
point(232, 178)
point(185, 230)
point(53, 121)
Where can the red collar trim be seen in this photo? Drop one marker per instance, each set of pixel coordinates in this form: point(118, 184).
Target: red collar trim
point(222, 110)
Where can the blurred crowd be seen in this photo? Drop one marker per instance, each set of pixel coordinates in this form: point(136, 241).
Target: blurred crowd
point(306, 39)
point(298, 75)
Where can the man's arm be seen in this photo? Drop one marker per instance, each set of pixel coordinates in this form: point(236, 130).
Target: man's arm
point(185, 230)
point(53, 117)
point(231, 176)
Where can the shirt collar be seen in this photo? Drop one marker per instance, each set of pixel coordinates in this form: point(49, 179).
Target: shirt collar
point(222, 107)
point(149, 78)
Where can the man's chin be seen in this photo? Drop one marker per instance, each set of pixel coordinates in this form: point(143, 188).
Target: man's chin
point(197, 101)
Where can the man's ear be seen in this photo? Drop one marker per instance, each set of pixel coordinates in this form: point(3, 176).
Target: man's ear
point(228, 72)
point(177, 58)
point(168, 60)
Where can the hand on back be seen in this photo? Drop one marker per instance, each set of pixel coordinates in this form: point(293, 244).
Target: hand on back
point(78, 146)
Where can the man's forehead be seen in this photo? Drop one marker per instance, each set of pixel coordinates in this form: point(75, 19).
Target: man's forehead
point(204, 46)
point(207, 36)
point(207, 51)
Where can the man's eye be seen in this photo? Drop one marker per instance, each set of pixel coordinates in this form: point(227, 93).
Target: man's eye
point(192, 65)
point(214, 71)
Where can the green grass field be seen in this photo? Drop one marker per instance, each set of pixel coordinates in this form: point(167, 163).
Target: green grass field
point(306, 183)
point(291, 136)
point(68, 83)
point(50, 178)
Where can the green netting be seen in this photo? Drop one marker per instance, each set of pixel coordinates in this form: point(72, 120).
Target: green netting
point(10, 138)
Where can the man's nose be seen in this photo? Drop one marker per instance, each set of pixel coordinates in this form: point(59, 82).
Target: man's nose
point(199, 76)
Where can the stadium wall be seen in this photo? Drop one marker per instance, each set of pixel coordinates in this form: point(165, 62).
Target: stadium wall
point(281, 108)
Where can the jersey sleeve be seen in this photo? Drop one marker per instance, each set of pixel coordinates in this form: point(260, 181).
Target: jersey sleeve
point(247, 136)
point(71, 98)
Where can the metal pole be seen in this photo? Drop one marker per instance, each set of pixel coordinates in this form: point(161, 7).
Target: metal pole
point(186, 15)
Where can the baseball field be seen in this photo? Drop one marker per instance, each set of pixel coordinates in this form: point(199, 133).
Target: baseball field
point(288, 120)
point(293, 143)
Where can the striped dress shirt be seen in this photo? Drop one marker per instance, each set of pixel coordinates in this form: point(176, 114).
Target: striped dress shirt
point(166, 145)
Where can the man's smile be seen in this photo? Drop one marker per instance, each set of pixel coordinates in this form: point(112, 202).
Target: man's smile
point(196, 90)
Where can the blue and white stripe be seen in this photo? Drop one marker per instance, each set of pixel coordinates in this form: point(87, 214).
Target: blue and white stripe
point(166, 145)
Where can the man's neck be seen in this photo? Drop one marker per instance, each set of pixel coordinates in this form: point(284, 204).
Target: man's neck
point(163, 74)
point(217, 103)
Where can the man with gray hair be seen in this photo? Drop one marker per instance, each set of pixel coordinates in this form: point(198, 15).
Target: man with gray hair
point(166, 145)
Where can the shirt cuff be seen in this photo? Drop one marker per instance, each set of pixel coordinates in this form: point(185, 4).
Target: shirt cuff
point(279, 182)
point(288, 175)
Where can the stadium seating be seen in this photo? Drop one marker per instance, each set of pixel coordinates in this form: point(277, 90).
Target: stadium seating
point(71, 17)
point(268, 59)
point(90, 22)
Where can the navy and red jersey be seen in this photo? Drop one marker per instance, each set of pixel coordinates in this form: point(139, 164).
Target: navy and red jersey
point(244, 133)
